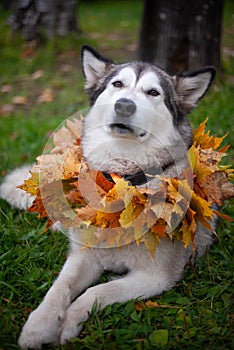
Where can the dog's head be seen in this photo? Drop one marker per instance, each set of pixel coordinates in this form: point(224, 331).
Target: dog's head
point(138, 113)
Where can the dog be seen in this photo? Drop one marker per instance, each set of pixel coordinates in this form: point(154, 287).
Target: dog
point(137, 124)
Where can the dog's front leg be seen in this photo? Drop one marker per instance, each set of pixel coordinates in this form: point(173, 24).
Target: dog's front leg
point(44, 324)
point(136, 284)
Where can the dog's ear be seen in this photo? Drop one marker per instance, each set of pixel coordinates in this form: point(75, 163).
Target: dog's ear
point(94, 65)
point(192, 86)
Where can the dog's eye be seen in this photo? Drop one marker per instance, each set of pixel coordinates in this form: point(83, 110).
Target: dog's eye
point(117, 84)
point(153, 92)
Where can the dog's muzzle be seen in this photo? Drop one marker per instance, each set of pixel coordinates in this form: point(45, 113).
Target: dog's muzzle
point(123, 124)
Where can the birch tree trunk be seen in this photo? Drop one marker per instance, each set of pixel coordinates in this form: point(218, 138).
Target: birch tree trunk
point(180, 35)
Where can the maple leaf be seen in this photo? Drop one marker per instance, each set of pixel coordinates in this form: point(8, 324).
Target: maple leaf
point(87, 214)
point(151, 242)
point(67, 136)
point(107, 220)
point(71, 162)
point(163, 211)
point(38, 207)
point(20, 100)
point(38, 74)
point(73, 196)
point(6, 88)
point(175, 189)
point(31, 185)
point(103, 182)
point(188, 227)
point(124, 191)
point(203, 210)
point(6, 109)
point(140, 306)
point(75, 127)
point(200, 170)
point(92, 193)
point(87, 235)
point(159, 228)
point(46, 96)
point(217, 188)
point(204, 139)
point(62, 139)
point(117, 237)
point(127, 216)
point(48, 168)
point(49, 223)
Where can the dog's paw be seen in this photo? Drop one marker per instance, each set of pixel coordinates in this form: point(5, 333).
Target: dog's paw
point(73, 323)
point(42, 327)
point(69, 332)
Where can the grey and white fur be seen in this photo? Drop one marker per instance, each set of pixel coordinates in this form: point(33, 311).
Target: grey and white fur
point(137, 121)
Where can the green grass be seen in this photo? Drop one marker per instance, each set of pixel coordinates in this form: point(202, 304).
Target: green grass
point(200, 309)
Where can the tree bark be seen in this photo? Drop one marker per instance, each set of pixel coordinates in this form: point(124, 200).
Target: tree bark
point(57, 17)
point(179, 35)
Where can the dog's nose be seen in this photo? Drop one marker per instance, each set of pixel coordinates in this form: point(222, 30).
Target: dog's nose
point(125, 107)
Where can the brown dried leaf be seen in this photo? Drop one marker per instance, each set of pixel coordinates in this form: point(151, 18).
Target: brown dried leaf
point(38, 74)
point(75, 127)
point(20, 100)
point(71, 162)
point(6, 88)
point(46, 96)
point(7, 109)
point(50, 168)
point(217, 188)
point(87, 214)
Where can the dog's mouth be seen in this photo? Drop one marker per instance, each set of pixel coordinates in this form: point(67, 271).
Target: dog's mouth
point(121, 128)
point(126, 129)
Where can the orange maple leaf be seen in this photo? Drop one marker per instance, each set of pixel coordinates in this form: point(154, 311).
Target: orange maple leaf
point(204, 139)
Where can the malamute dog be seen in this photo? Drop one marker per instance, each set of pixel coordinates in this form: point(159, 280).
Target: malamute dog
point(137, 124)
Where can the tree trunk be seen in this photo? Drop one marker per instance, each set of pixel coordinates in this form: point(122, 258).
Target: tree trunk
point(55, 16)
point(179, 35)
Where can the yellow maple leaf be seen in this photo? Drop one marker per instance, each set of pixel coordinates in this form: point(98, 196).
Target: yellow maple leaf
point(127, 216)
point(204, 139)
point(124, 191)
point(31, 185)
point(188, 227)
point(151, 242)
point(107, 220)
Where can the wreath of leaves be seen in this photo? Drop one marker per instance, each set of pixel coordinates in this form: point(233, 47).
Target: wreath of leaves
point(117, 213)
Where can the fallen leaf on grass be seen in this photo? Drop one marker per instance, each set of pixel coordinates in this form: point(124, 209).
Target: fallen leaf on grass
point(140, 306)
point(20, 100)
point(6, 88)
point(66, 68)
point(46, 96)
point(38, 74)
point(6, 109)
point(28, 49)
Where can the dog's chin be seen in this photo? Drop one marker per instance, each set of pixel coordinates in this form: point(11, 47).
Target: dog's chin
point(126, 130)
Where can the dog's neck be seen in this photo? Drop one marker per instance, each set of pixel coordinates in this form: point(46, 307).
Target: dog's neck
point(141, 177)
